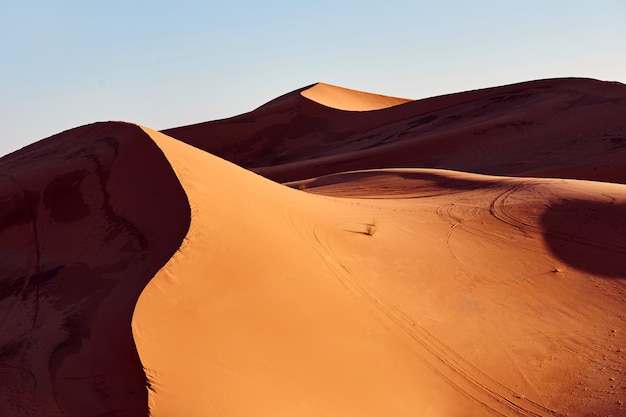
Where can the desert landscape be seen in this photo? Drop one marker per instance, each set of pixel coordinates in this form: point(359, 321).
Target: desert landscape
point(330, 253)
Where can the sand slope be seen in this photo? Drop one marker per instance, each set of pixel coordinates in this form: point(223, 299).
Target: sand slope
point(84, 225)
point(140, 275)
point(460, 298)
point(350, 100)
point(571, 128)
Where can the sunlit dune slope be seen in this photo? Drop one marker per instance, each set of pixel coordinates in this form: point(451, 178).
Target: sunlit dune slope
point(572, 128)
point(86, 219)
point(441, 293)
point(143, 276)
point(345, 99)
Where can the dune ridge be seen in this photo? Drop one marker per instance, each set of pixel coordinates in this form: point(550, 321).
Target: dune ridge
point(514, 130)
point(457, 256)
point(351, 100)
point(373, 283)
point(83, 228)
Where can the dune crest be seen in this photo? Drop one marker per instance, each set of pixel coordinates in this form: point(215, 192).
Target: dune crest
point(87, 217)
point(442, 293)
point(418, 260)
point(351, 100)
point(563, 128)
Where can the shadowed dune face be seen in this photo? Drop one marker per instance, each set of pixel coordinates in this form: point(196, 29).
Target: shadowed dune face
point(571, 128)
point(87, 217)
point(392, 183)
point(384, 289)
point(588, 234)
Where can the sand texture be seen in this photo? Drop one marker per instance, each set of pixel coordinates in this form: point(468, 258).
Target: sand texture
point(331, 253)
point(571, 128)
point(87, 218)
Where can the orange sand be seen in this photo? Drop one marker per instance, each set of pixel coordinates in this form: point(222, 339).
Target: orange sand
point(444, 300)
point(563, 128)
point(356, 288)
point(351, 100)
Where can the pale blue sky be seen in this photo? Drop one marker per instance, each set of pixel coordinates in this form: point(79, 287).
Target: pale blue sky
point(164, 64)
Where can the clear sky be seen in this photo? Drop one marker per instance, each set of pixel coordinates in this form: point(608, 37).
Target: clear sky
point(163, 64)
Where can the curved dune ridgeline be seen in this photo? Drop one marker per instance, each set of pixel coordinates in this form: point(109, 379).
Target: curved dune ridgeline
point(351, 100)
point(564, 128)
point(331, 253)
point(87, 217)
point(439, 292)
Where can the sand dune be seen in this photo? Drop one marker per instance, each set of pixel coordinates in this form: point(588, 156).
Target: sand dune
point(447, 301)
point(84, 226)
point(358, 288)
point(563, 128)
point(351, 100)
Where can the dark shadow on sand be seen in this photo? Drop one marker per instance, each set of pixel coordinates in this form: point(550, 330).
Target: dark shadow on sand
point(588, 235)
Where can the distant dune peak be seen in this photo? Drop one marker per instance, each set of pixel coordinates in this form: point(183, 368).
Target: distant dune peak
point(351, 100)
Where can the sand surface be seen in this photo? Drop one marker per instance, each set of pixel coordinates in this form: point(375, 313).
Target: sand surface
point(83, 227)
point(351, 100)
point(489, 282)
point(562, 128)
